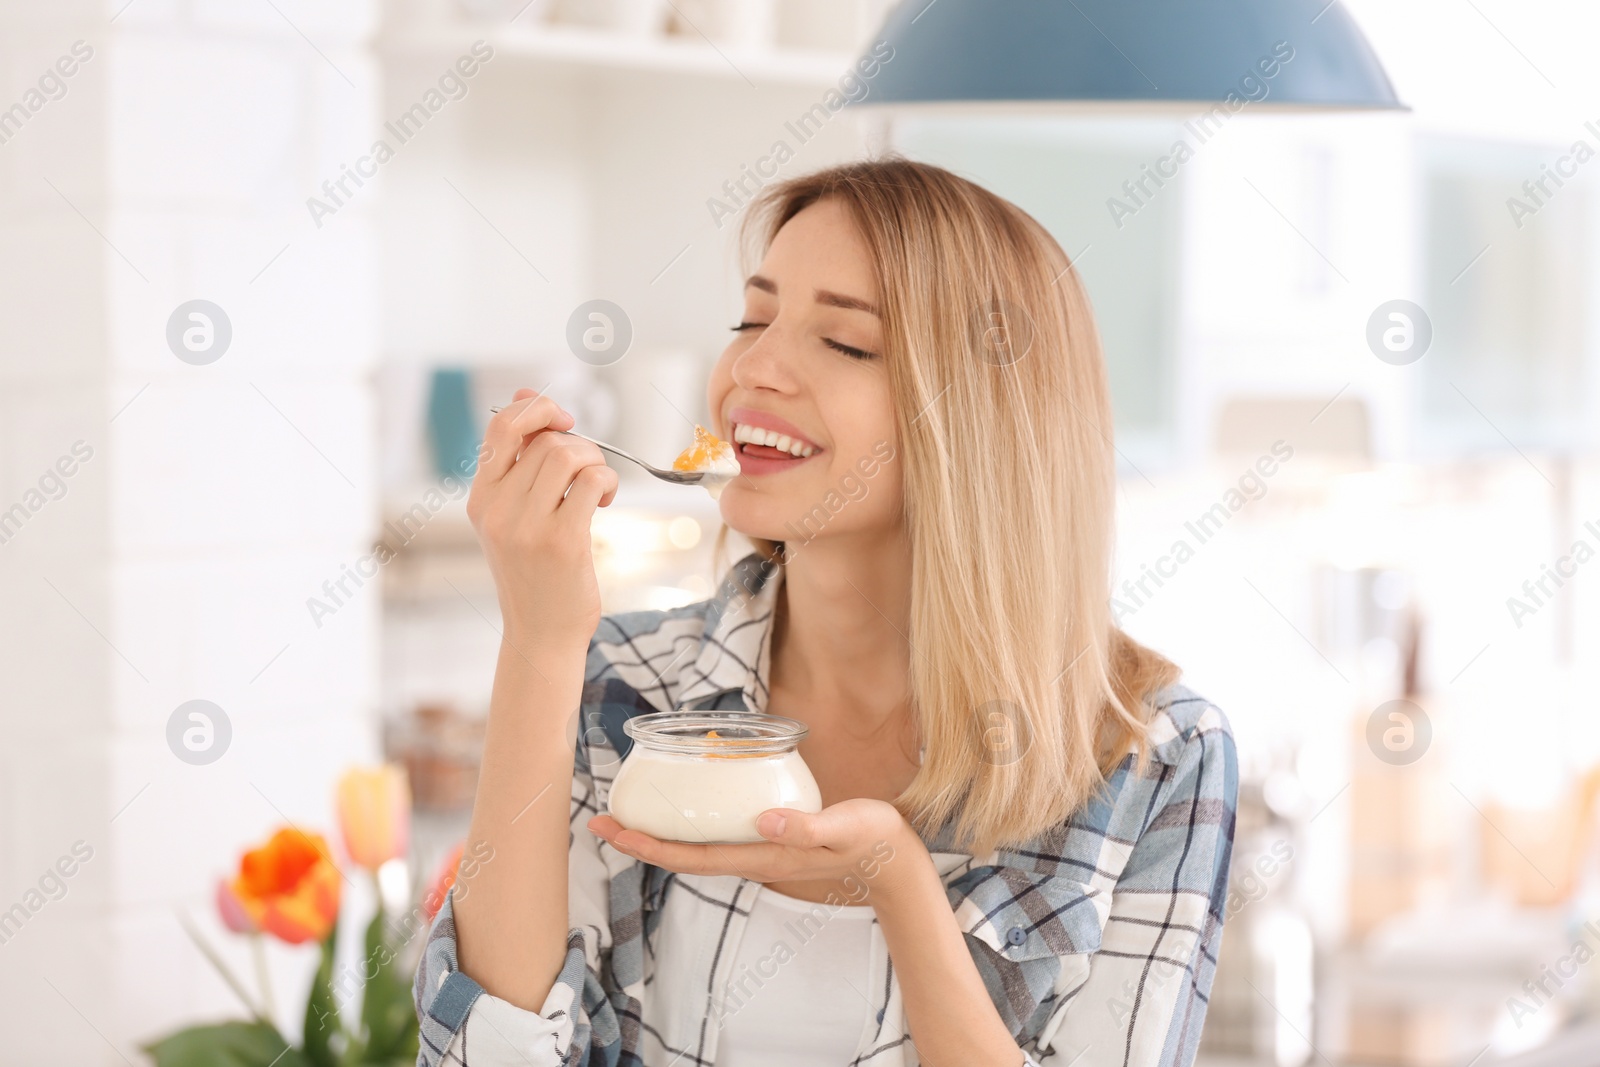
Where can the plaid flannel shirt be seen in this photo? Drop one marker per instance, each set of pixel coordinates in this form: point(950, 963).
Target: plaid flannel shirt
point(1097, 941)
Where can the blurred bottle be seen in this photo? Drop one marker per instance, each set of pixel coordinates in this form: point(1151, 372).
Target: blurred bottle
point(453, 430)
point(1583, 916)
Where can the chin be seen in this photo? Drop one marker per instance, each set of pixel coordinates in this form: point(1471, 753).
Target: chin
point(754, 514)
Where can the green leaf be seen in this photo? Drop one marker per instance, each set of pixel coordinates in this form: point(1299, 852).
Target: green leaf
point(388, 1016)
point(254, 1044)
point(322, 1011)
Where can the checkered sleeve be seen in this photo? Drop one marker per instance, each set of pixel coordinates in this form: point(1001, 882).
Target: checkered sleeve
point(461, 1025)
point(1143, 1000)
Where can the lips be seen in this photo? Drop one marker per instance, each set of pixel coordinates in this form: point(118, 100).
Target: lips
point(766, 443)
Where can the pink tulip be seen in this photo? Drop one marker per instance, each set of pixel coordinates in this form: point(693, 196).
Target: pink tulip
point(234, 917)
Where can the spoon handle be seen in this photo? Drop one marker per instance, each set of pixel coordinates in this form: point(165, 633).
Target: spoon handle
point(675, 477)
point(613, 449)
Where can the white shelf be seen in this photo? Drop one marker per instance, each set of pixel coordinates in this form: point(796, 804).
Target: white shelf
point(582, 47)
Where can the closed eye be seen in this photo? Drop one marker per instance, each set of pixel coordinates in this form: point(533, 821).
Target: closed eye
point(853, 353)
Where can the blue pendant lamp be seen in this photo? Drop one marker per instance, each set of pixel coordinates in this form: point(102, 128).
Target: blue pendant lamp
point(1162, 53)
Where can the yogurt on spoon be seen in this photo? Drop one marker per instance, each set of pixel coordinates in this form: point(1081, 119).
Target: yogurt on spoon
point(711, 456)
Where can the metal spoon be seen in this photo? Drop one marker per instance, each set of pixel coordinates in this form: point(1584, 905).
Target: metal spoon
point(703, 478)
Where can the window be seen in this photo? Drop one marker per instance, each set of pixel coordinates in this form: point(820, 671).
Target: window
point(1507, 270)
point(1066, 172)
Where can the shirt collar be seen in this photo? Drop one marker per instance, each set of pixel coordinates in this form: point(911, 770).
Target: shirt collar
point(736, 656)
point(736, 644)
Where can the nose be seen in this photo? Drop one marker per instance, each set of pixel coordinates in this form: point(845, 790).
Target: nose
point(766, 364)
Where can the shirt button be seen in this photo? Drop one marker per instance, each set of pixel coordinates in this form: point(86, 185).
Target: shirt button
point(1016, 935)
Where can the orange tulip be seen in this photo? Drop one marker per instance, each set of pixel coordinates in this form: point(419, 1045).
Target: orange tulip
point(375, 814)
point(288, 887)
point(443, 879)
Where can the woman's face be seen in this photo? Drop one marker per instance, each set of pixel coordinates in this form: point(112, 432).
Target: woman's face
point(807, 363)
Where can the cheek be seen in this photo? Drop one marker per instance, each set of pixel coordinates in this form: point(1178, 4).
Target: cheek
point(865, 501)
point(717, 390)
point(884, 494)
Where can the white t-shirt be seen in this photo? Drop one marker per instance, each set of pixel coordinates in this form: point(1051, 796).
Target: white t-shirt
point(797, 994)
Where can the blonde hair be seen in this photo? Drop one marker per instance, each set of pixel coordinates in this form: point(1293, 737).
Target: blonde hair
point(1027, 693)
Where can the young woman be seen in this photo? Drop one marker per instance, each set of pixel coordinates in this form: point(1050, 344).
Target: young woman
point(1022, 856)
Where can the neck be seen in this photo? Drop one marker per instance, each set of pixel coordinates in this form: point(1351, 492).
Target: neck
point(843, 614)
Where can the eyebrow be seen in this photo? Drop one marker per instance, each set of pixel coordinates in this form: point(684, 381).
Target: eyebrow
point(823, 296)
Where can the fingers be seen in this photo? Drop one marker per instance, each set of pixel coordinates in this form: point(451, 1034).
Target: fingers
point(592, 487)
point(510, 428)
point(611, 831)
point(798, 829)
point(673, 855)
point(754, 861)
point(519, 479)
point(519, 457)
point(539, 413)
point(561, 460)
point(846, 827)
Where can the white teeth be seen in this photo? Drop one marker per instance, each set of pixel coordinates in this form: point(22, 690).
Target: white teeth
point(755, 435)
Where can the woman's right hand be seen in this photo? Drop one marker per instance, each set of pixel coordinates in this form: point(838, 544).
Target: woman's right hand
point(532, 502)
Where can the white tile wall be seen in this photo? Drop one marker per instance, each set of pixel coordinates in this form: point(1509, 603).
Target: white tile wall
point(276, 449)
point(325, 24)
point(205, 123)
point(46, 253)
point(56, 997)
point(189, 543)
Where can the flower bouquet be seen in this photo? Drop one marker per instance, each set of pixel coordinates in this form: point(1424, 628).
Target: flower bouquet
point(289, 888)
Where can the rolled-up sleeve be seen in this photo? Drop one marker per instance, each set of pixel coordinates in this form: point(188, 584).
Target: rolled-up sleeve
point(461, 1024)
point(1143, 1000)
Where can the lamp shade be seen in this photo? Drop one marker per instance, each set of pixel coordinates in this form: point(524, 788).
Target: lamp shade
point(1273, 53)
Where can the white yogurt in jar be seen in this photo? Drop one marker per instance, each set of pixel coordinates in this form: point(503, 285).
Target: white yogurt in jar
point(678, 785)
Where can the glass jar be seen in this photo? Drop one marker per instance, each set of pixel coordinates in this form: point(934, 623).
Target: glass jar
point(705, 776)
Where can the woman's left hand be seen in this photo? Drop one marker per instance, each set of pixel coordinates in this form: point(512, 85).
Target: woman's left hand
point(851, 838)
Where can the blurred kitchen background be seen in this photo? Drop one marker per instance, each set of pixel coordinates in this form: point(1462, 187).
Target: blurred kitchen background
point(1415, 883)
